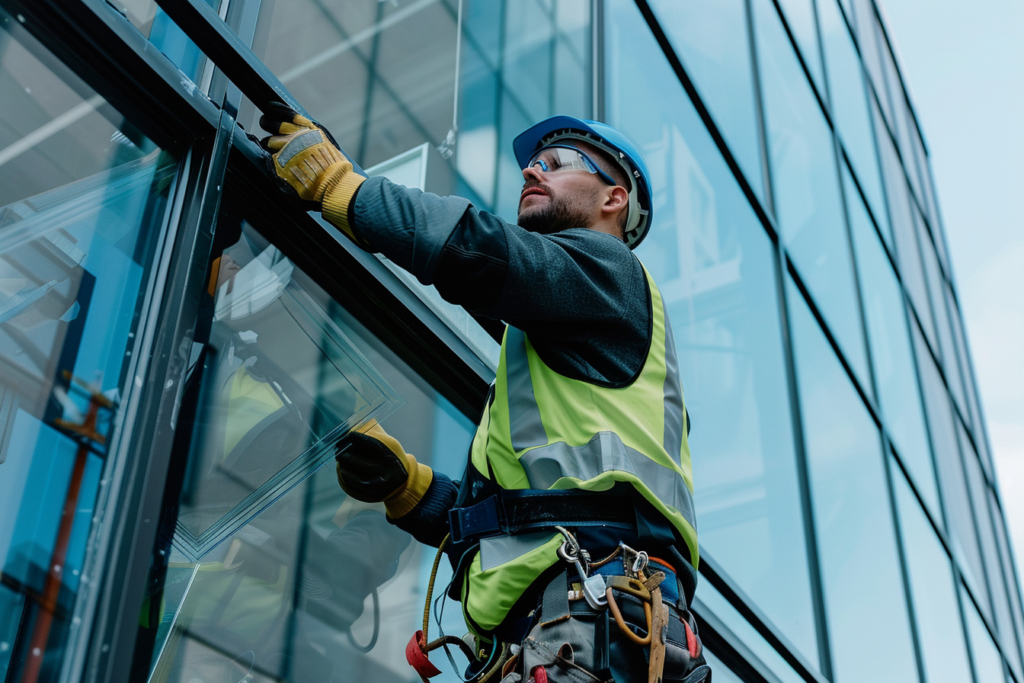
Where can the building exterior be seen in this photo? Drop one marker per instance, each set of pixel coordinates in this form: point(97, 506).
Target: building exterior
point(179, 347)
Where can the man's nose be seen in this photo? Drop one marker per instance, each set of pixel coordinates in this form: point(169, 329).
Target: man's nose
point(533, 173)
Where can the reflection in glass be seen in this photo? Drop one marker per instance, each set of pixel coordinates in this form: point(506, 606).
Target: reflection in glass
point(805, 186)
point(986, 539)
point(723, 674)
point(316, 586)
point(849, 106)
point(714, 265)
point(852, 512)
point(901, 215)
point(890, 350)
point(936, 288)
point(712, 42)
point(382, 76)
point(988, 665)
point(959, 518)
point(800, 17)
point(283, 385)
point(1013, 586)
point(708, 598)
point(82, 199)
point(932, 591)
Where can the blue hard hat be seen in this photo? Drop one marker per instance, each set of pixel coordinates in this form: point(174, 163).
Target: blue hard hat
point(611, 141)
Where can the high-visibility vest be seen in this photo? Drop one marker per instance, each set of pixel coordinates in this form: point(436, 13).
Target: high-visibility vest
point(544, 430)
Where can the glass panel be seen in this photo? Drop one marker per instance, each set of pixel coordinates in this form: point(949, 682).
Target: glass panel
point(890, 351)
point(82, 199)
point(936, 288)
point(712, 42)
point(990, 553)
point(396, 65)
point(960, 351)
point(165, 35)
point(317, 586)
point(800, 17)
point(853, 513)
point(867, 41)
point(988, 665)
point(715, 267)
point(959, 519)
point(907, 254)
point(723, 674)
point(1005, 551)
point(849, 105)
point(285, 385)
point(932, 591)
point(711, 599)
point(806, 188)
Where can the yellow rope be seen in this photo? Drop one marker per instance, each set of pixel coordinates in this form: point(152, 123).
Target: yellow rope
point(430, 585)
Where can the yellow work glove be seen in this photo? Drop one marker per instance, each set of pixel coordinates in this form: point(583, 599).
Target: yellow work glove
point(307, 162)
point(373, 467)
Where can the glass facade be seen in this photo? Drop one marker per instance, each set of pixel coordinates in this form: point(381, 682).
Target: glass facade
point(180, 349)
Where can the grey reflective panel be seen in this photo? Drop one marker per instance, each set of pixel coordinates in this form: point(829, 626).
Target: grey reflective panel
point(1016, 608)
point(805, 186)
point(908, 256)
point(849, 105)
point(853, 514)
point(891, 352)
point(988, 665)
point(958, 515)
point(502, 549)
point(674, 420)
point(605, 452)
point(933, 591)
point(1007, 636)
point(524, 413)
point(714, 264)
point(711, 40)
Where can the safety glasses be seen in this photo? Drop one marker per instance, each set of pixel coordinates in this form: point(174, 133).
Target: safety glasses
point(555, 158)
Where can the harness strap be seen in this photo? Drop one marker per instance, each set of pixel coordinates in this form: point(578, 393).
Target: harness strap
point(512, 512)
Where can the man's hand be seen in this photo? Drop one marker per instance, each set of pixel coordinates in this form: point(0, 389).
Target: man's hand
point(307, 163)
point(373, 467)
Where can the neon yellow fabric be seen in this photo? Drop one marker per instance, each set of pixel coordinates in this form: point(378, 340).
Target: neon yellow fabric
point(573, 415)
point(249, 402)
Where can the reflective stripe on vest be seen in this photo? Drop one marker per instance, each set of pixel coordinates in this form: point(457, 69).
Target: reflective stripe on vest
point(547, 431)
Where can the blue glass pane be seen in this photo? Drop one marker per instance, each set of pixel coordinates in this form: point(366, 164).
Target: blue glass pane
point(852, 512)
point(959, 518)
point(806, 186)
point(722, 673)
point(939, 632)
point(83, 198)
point(891, 351)
point(867, 42)
point(712, 42)
point(1016, 608)
point(988, 665)
point(800, 17)
point(714, 265)
point(849, 105)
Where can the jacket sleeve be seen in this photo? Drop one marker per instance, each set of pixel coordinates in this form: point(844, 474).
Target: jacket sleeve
point(566, 288)
point(428, 521)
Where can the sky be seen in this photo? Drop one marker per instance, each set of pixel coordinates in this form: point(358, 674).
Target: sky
point(964, 65)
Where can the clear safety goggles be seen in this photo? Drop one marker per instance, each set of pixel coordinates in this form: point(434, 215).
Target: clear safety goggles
point(555, 158)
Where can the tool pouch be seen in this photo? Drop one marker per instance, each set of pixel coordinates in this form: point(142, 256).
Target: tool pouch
point(574, 643)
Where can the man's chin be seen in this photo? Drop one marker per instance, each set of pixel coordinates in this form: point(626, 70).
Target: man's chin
point(535, 219)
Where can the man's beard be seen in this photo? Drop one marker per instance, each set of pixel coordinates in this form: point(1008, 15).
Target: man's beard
point(560, 213)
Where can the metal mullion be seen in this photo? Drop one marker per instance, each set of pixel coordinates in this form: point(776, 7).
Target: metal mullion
point(597, 86)
point(113, 640)
point(789, 362)
point(820, 97)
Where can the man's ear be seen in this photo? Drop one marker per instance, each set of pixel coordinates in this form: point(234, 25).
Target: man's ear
point(617, 198)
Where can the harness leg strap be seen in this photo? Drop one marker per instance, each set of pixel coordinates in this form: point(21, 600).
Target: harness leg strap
point(555, 603)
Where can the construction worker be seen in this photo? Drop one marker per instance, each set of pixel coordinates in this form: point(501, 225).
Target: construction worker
point(572, 533)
